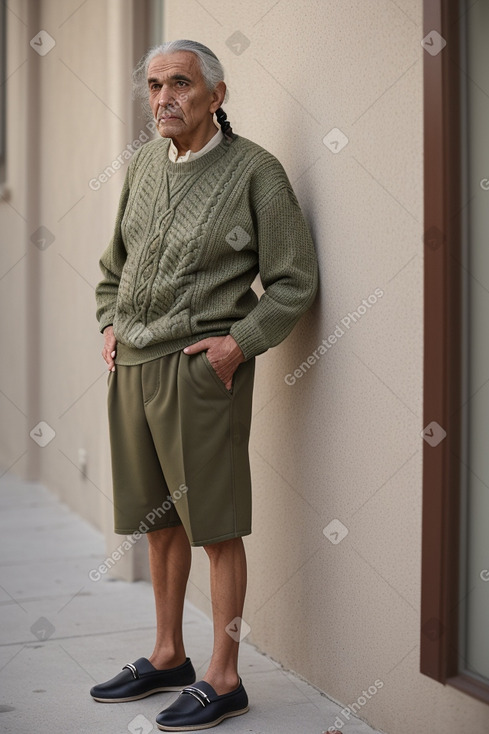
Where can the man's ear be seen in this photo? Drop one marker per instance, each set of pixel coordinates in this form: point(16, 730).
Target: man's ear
point(217, 97)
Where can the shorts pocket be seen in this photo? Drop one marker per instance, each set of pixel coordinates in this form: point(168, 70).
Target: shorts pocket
point(215, 376)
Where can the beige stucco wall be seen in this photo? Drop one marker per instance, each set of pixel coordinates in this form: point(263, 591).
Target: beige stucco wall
point(343, 442)
point(70, 115)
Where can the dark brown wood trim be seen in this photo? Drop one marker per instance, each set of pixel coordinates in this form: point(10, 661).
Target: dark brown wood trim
point(470, 685)
point(442, 344)
point(141, 34)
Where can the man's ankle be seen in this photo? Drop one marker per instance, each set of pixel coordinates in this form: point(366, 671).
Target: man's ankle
point(222, 683)
point(165, 660)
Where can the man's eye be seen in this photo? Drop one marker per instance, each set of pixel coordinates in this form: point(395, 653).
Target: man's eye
point(154, 86)
point(184, 84)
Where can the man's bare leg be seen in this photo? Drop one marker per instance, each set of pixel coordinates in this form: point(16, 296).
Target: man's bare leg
point(228, 589)
point(169, 561)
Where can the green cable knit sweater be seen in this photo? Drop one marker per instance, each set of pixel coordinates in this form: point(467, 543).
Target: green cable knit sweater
point(189, 240)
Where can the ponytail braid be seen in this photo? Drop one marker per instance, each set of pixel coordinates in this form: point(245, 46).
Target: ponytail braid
point(226, 128)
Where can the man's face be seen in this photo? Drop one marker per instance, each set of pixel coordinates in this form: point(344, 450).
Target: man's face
point(181, 103)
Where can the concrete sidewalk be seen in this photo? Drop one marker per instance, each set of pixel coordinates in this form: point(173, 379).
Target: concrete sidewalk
point(62, 632)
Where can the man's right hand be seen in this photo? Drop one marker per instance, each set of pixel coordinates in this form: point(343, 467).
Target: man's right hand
point(108, 352)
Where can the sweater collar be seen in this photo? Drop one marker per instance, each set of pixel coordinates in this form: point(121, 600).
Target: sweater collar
point(191, 155)
point(198, 164)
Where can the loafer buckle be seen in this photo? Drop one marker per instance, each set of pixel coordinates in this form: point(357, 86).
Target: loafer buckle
point(133, 670)
point(199, 695)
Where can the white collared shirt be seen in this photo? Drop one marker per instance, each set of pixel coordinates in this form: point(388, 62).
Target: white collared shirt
point(190, 155)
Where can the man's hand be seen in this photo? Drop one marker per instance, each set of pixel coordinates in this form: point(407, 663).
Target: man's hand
point(108, 352)
point(223, 354)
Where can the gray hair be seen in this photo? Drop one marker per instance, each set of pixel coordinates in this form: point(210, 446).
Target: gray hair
point(210, 66)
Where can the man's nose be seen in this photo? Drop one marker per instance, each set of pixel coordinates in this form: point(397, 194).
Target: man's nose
point(165, 97)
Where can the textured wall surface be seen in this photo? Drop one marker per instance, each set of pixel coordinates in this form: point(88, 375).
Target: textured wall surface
point(334, 558)
point(69, 118)
point(339, 441)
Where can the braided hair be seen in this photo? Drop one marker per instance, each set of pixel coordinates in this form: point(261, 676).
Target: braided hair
point(226, 128)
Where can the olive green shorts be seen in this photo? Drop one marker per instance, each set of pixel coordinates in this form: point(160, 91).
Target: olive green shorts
point(179, 448)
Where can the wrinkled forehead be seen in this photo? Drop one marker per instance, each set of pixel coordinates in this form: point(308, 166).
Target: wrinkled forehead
point(166, 66)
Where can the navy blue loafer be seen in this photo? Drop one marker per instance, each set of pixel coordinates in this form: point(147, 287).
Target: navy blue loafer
point(141, 679)
point(199, 707)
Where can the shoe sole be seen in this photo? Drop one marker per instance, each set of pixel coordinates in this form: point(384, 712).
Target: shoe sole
point(141, 695)
point(203, 726)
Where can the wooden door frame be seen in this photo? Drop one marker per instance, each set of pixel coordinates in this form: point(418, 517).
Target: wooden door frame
point(443, 341)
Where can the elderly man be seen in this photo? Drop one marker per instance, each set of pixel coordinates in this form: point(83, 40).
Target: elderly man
point(202, 211)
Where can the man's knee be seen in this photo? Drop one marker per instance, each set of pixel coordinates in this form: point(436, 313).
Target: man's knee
point(165, 536)
point(214, 550)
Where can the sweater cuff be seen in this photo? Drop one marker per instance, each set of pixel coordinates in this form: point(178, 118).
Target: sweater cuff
point(249, 338)
point(104, 323)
